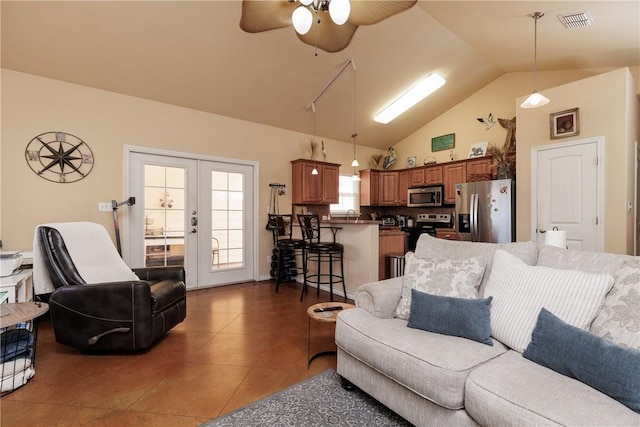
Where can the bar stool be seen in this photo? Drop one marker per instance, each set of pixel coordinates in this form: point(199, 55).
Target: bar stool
point(321, 253)
point(285, 246)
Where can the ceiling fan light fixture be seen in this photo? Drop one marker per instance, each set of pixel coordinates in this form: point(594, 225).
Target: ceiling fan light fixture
point(339, 11)
point(417, 93)
point(302, 19)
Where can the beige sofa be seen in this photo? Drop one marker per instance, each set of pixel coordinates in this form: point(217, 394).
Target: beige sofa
point(432, 379)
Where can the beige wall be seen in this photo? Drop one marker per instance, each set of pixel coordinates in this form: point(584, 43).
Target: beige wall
point(602, 110)
point(609, 108)
point(107, 121)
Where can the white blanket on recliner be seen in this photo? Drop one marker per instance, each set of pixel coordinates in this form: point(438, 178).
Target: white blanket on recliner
point(91, 250)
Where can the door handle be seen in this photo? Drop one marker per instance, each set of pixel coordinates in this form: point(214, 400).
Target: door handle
point(194, 221)
point(542, 230)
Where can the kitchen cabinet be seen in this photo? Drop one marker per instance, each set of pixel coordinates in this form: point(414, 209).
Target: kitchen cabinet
point(479, 169)
point(446, 233)
point(403, 186)
point(320, 189)
point(433, 175)
point(369, 187)
point(389, 242)
point(453, 173)
point(388, 188)
point(416, 177)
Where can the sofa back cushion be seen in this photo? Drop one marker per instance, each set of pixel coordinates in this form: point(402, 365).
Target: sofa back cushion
point(435, 276)
point(520, 291)
point(431, 247)
point(619, 319)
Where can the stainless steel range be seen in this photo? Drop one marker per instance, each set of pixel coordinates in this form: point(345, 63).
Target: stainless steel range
point(427, 223)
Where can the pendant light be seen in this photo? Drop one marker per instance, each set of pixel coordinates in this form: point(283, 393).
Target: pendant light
point(535, 99)
point(313, 144)
point(354, 163)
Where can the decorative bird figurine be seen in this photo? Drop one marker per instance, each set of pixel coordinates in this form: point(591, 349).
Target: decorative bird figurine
point(488, 122)
point(390, 159)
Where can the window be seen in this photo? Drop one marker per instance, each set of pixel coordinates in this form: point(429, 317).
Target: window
point(349, 195)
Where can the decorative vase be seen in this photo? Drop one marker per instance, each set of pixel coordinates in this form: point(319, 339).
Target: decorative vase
point(505, 172)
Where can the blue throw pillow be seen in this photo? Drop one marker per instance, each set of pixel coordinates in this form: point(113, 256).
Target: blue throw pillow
point(460, 317)
point(601, 364)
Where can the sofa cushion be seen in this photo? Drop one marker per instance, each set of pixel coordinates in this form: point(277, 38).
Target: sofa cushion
point(431, 247)
point(432, 365)
point(519, 292)
point(445, 277)
point(459, 317)
point(513, 391)
point(578, 354)
point(619, 319)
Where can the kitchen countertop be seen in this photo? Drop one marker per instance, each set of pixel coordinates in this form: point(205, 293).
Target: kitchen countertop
point(345, 221)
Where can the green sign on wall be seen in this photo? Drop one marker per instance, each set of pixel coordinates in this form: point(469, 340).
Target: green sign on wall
point(444, 142)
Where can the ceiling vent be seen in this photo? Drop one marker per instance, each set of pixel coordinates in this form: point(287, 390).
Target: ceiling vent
point(576, 20)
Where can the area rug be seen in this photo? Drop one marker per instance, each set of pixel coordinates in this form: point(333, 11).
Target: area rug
point(317, 401)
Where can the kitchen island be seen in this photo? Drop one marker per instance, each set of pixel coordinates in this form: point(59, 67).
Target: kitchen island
point(362, 249)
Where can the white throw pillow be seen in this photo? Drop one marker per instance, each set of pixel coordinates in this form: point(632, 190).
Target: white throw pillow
point(520, 291)
point(444, 277)
point(619, 319)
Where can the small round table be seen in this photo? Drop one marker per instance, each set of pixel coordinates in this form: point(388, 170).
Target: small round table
point(325, 317)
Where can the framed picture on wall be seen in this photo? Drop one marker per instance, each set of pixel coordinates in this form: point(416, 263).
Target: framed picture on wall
point(411, 162)
point(564, 124)
point(478, 150)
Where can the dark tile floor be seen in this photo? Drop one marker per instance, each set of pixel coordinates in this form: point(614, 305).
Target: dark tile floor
point(239, 343)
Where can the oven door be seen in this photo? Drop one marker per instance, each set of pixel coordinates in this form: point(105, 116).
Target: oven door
point(414, 235)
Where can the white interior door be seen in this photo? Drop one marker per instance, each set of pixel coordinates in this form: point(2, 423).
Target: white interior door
point(567, 193)
point(195, 213)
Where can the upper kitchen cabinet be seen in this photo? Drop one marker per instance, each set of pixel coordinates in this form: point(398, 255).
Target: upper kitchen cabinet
point(369, 187)
point(479, 169)
point(309, 189)
point(453, 173)
point(433, 175)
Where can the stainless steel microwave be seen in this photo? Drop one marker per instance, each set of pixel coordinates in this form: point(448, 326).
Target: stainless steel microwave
point(425, 197)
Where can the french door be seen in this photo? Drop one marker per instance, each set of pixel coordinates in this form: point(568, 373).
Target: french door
point(192, 212)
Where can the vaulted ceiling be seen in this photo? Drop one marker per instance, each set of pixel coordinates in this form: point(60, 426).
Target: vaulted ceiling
point(194, 54)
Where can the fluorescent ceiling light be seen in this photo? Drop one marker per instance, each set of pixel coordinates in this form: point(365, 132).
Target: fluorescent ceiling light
point(426, 87)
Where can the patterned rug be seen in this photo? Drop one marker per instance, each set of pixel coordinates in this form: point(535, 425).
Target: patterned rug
point(317, 401)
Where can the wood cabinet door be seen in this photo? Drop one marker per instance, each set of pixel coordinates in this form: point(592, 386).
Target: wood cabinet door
point(330, 184)
point(403, 186)
point(416, 177)
point(369, 188)
point(479, 169)
point(433, 175)
point(455, 173)
point(388, 188)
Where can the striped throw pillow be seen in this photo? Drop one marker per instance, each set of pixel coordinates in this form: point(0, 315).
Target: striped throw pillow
point(520, 291)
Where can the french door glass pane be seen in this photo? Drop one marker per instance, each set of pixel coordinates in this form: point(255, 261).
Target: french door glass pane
point(227, 203)
point(164, 213)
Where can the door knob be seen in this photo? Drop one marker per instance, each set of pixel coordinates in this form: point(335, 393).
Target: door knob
point(542, 230)
point(193, 230)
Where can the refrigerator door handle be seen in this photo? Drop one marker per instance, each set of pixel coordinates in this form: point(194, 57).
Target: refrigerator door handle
point(473, 217)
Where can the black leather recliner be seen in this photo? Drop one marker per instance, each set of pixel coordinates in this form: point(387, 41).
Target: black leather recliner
point(115, 316)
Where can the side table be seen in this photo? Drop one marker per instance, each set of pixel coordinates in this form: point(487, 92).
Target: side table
point(18, 335)
point(18, 286)
point(326, 317)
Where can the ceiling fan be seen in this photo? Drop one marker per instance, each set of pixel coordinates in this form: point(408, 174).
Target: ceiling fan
point(326, 34)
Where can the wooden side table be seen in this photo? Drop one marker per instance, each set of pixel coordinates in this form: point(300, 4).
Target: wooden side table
point(325, 317)
point(18, 335)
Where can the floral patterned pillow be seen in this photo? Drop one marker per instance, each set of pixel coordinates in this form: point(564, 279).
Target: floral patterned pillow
point(619, 319)
point(444, 277)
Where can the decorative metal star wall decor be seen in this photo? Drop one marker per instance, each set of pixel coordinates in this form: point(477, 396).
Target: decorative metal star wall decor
point(59, 157)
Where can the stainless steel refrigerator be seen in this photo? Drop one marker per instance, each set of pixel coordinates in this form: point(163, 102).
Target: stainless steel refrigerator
point(485, 211)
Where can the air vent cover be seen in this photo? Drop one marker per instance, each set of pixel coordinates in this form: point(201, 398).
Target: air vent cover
point(576, 20)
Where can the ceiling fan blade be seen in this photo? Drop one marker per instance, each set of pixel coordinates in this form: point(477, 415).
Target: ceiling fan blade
point(258, 16)
point(369, 12)
point(329, 36)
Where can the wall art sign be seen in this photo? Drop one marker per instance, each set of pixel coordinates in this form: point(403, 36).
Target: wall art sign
point(564, 124)
point(444, 142)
